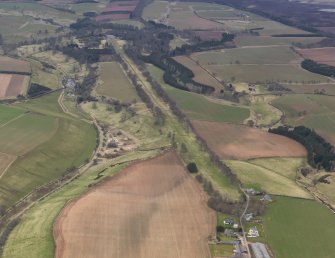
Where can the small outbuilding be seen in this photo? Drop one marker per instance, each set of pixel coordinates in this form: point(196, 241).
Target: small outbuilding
point(228, 221)
point(248, 216)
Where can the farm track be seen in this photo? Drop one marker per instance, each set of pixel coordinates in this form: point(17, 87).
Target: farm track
point(206, 70)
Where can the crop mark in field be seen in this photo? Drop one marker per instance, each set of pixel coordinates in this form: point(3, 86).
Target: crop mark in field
point(5, 170)
point(12, 120)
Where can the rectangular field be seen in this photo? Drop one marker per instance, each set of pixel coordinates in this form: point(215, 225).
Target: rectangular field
point(8, 113)
point(115, 83)
point(151, 209)
point(265, 73)
point(12, 85)
point(314, 111)
point(20, 135)
point(257, 64)
point(8, 64)
point(297, 228)
point(241, 142)
point(267, 179)
point(321, 55)
point(249, 55)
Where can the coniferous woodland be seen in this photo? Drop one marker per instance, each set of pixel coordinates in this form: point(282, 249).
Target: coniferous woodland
point(315, 67)
point(320, 153)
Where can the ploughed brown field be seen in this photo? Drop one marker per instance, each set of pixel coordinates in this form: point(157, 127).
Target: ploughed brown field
point(12, 85)
point(231, 141)
point(324, 55)
point(8, 64)
point(152, 209)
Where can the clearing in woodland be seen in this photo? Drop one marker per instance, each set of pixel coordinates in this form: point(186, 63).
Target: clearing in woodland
point(151, 209)
point(231, 141)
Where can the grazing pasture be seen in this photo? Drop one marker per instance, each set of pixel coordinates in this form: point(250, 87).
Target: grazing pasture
point(47, 141)
point(324, 55)
point(70, 144)
point(197, 106)
point(249, 56)
point(36, 10)
point(200, 74)
point(286, 167)
point(20, 135)
point(155, 10)
point(161, 212)
point(263, 73)
point(266, 179)
point(312, 88)
point(258, 64)
point(8, 113)
point(241, 142)
point(5, 161)
point(297, 228)
point(250, 40)
point(115, 83)
point(314, 111)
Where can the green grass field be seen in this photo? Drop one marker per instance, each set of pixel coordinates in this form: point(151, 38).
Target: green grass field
point(297, 228)
point(286, 167)
point(38, 10)
point(319, 109)
point(48, 78)
point(254, 55)
point(115, 84)
point(51, 143)
point(20, 135)
point(312, 88)
point(249, 40)
point(198, 107)
point(266, 179)
point(8, 113)
point(155, 10)
point(136, 24)
point(265, 73)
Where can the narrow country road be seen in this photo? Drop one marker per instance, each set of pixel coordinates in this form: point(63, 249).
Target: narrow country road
point(245, 241)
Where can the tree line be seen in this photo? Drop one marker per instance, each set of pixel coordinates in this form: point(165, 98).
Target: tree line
point(315, 67)
point(320, 153)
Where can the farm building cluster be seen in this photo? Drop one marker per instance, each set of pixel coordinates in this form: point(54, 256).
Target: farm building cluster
point(115, 143)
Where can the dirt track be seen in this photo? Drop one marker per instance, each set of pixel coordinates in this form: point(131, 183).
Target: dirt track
point(151, 209)
point(241, 142)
